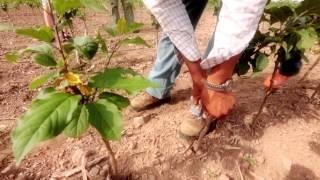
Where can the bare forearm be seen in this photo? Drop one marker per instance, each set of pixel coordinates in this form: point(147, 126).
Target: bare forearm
point(224, 71)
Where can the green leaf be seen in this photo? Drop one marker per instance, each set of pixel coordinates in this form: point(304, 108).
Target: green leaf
point(87, 46)
point(68, 47)
point(39, 81)
point(6, 27)
point(106, 118)
point(242, 67)
point(43, 54)
point(308, 38)
point(12, 57)
point(43, 48)
point(111, 31)
point(261, 62)
point(279, 14)
point(43, 33)
point(62, 6)
point(309, 7)
point(79, 123)
point(135, 41)
point(119, 78)
point(120, 101)
point(96, 5)
point(122, 26)
point(44, 59)
point(48, 116)
point(102, 43)
point(133, 27)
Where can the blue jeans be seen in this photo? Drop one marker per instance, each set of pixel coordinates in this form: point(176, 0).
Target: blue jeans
point(167, 67)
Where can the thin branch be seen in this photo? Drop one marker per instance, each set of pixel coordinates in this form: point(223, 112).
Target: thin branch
point(113, 159)
point(57, 36)
point(268, 92)
point(114, 49)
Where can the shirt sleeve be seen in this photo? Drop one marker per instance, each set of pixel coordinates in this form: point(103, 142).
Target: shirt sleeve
point(237, 23)
point(176, 24)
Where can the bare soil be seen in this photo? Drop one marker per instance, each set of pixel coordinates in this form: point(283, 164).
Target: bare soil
point(286, 145)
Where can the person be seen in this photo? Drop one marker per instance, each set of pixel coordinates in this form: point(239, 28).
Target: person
point(46, 14)
point(211, 74)
point(127, 10)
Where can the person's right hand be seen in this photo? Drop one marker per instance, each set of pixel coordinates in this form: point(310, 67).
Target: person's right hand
point(217, 104)
point(278, 81)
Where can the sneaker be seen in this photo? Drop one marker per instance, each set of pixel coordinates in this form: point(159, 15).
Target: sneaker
point(191, 126)
point(145, 101)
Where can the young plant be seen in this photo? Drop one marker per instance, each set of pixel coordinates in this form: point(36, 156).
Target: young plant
point(72, 100)
point(292, 29)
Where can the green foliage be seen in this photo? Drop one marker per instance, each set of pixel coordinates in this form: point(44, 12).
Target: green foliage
point(86, 46)
point(49, 114)
point(106, 118)
point(43, 33)
point(120, 101)
point(261, 62)
point(297, 32)
point(79, 122)
point(42, 54)
point(119, 78)
point(41, 80)
point(135, 41)
point(309, 7)
point(123, 28)
point(12, 57)
point(74, 99)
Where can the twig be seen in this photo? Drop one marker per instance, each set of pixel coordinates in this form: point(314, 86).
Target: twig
point(239, 170)
point(83, 168)
point(78, 169)
point(113, 159)
point(203, 132)
point(268, 92)
point(57, 35)
point(310, 69)
point(116, 47)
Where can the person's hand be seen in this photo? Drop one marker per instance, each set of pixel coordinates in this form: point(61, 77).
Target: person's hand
point(278, 81)
point(217, 104)
point(198, 76)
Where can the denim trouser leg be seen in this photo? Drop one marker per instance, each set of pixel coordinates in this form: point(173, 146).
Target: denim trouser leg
point(167, 67)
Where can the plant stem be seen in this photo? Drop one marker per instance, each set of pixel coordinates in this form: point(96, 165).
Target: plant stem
point(114, 49)
point(310, 69)
point(113, 159)
point(268, 92)
point(58, 37)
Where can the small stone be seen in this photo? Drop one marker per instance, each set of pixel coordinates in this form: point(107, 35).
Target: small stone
point(94, 171)
point(138, 122)
point(76, 157)
point(134, 145)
